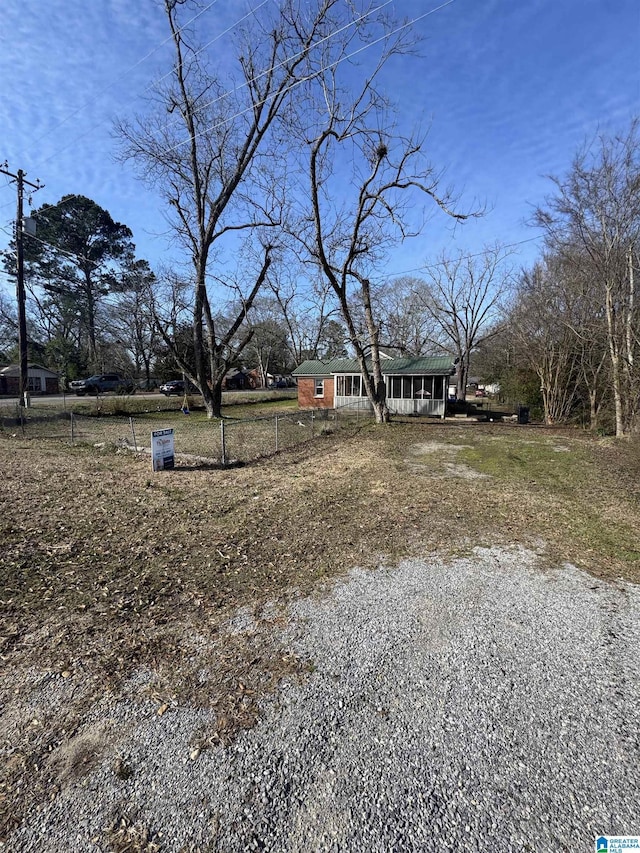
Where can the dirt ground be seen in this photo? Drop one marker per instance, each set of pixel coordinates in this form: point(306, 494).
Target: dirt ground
point(111, 575)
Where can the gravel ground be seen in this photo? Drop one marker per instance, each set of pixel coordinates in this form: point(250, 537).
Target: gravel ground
point(481, 703)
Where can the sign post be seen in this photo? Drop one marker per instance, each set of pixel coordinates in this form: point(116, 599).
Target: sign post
point(162, 457)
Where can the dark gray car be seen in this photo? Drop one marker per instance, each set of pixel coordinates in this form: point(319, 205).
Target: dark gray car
point(100, 383)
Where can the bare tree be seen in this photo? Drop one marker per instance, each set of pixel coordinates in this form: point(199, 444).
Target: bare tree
point(541, 322)
point(214, 160)
point(350, 224)
point(131, 321)
point(464, 297)
point(269, 349)
point(593, 220)
point(171, 308)
point(584, 316)
point(405, 324)
point(308, 311)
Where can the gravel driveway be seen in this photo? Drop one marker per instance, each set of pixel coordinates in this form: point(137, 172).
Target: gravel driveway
point(484, 703)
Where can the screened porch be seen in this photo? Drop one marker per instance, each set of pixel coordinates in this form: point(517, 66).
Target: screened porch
point(406, 395)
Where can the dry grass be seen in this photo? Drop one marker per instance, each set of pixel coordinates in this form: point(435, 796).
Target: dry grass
point(113, 576)
point(253, 428)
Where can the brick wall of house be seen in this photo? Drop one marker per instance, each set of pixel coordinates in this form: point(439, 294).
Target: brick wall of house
point(306, 394)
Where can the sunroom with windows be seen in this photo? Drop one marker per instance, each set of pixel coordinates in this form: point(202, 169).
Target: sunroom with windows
point(413, 385)
point(424, 395)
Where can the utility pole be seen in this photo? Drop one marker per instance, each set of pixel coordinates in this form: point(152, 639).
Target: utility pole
point(19, 178)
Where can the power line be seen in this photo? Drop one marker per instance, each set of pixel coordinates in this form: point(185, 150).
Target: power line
point(284, 91)
point(148, 88)
point(288, 59)
point(331, 65)
point(437, 264)
point(394, 274)
point(229, 92)
point(122, 76)
point(57, 249)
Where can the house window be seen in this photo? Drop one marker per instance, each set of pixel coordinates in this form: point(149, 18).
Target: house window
point(348, 386)
point(319, 388)
point(415, 387)
point(34, 384)
point(422, 387)
point(402, 387)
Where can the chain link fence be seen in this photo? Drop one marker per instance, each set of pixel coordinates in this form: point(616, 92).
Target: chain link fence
point(229, 441)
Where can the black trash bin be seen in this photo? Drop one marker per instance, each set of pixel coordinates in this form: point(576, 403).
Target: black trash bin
point(523, 414)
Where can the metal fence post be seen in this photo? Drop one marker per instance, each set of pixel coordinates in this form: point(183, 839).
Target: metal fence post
point(133, 435)
point(276, 433)
point(312, 422)
point(72, 425)
point(224, 452)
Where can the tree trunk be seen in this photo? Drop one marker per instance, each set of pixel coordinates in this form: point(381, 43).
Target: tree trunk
point(216, 398)
point(379, 398)
point(379, 402)
point(147, 370)
point(615, 358)
point(212, 398)
point(463, 377)
point(594, 409)
point(632, 385)
point(91, 322)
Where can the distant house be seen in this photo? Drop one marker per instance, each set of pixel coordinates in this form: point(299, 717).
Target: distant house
point(238, 380)
point(415, 386)
point(41, 380)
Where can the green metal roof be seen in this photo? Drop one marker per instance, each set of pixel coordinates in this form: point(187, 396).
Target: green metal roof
point(430, 365)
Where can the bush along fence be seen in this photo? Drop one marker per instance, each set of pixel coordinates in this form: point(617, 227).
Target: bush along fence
point(197, 440)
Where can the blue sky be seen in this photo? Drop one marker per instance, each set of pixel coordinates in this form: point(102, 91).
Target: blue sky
point(509, 89)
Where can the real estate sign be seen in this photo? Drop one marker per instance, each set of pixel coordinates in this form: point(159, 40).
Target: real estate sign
point(162, 449)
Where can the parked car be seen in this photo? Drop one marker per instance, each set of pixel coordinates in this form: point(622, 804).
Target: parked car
point(481, 392)
point(176, 386)
point(279, 383)
point(100, 383)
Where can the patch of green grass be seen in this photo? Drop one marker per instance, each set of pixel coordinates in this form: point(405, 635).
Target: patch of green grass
point(563, 465)
point(565, 486)
point(614, 540)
